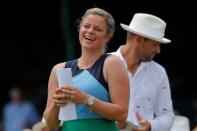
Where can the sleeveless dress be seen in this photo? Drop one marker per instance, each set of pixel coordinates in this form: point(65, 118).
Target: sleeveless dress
point(90, 81)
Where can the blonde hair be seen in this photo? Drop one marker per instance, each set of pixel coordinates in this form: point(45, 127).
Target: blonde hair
point(107, 16)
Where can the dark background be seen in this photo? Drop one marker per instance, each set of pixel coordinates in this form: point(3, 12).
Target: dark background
point(35, 35)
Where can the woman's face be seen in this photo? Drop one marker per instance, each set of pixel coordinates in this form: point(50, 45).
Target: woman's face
point(93, 32)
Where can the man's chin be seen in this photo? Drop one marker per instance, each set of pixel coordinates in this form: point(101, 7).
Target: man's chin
point(147, 59)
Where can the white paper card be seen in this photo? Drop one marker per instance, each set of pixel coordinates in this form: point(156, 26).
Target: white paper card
point(132, 125)
point(132, 122)
point(64, 77)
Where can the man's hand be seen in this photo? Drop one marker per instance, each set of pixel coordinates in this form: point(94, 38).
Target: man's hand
point(122, 125)
point(144, 124)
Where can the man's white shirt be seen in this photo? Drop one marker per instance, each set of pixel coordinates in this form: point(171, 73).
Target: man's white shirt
point(150, 95)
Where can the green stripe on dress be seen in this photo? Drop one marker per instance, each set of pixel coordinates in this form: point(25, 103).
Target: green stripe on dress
point(90, 124)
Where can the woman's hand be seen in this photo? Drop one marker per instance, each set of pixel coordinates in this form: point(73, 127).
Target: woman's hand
point(60, 98)
point(74, 95)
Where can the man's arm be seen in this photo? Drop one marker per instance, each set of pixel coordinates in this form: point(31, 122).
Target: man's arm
point(164, 115)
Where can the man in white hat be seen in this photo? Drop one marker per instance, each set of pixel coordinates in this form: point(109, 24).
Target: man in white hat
point(150, 107)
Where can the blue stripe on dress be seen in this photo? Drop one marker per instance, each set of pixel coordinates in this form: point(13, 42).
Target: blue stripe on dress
point(92, 86)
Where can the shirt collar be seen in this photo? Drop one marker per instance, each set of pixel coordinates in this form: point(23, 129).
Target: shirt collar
point(143, 64)
point(119, 53)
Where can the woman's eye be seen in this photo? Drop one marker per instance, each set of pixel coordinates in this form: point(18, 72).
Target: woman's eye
point(86, 26)
point(97, 29)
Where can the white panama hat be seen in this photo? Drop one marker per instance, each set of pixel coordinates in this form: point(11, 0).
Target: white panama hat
point(181, 123)
point(148, 26)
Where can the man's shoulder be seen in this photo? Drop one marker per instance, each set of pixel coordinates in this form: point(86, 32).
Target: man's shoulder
point(156, 65)
point(7, 106)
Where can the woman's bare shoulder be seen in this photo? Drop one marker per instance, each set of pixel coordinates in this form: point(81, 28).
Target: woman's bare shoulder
point(113, 60)
point(59, 65)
